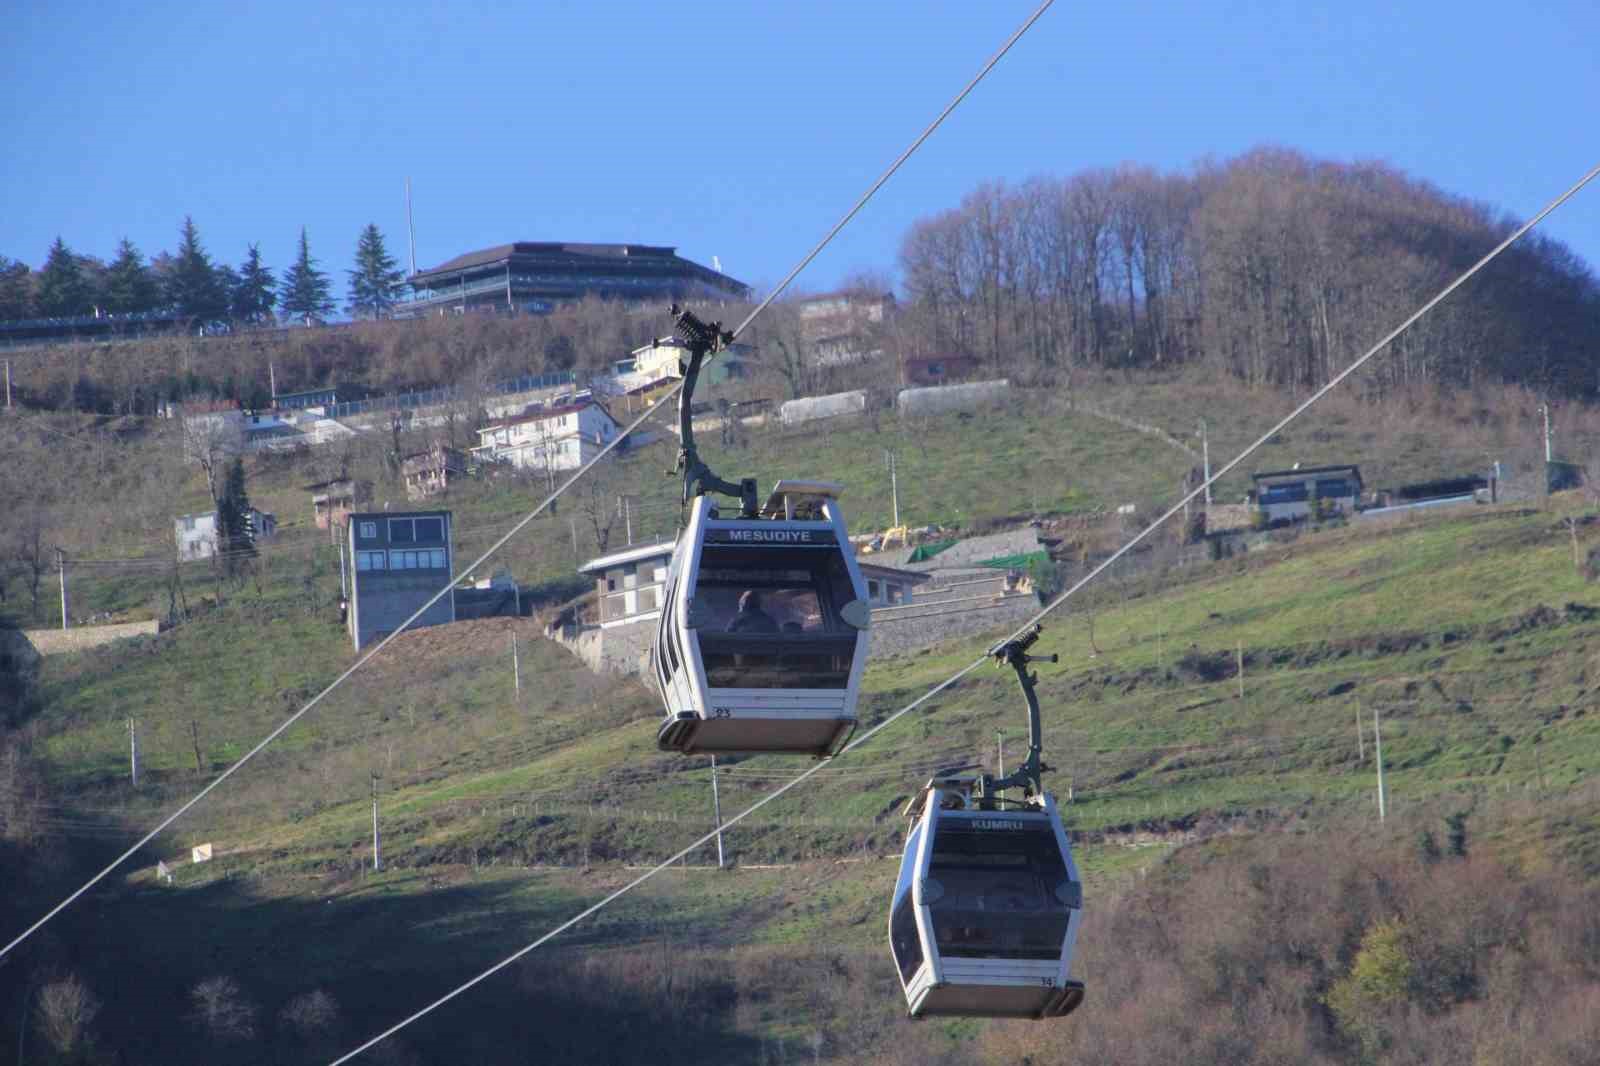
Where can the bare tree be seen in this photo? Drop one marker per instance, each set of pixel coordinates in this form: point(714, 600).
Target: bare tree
point(210, 440)
point(65, 1012)
point(221, 1009)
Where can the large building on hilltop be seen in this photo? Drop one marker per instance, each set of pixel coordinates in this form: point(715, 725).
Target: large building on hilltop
point(534, 276)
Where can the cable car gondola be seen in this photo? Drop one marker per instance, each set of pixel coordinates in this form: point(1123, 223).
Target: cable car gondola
point(988, 902)
point(763, 630)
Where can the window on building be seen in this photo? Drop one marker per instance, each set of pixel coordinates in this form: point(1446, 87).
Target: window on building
point(369, 531)
point(1293, 493)
point(402, 531)
point(430, 530)
point(370, 560)
point(872, 590)
point(1333, 488)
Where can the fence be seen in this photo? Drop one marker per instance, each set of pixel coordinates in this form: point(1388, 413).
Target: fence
point(433, 397)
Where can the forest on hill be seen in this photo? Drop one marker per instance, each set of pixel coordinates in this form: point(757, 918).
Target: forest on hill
point(1273, 268)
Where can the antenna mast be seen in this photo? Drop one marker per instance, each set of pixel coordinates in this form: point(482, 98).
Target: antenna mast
point(411, 228)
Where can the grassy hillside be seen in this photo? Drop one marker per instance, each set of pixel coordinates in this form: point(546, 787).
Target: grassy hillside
point(503, 814)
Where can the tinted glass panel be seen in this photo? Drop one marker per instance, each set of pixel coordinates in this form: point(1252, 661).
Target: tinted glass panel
point(769, 617)
point(904, 941)
point(430, 530)
point(993, 893)
point(400, 531)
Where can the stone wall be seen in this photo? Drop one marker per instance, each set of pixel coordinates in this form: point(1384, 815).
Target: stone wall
point(914, 630)
point(63, 641)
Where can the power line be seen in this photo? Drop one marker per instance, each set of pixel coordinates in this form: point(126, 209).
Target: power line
point(669, 395)
point(964, 671)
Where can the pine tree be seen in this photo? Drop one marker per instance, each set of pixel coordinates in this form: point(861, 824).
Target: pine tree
point(16, 290)
point(305, 294)
point(130, 287)
point(63, 290)
point(193, 286)
point(375, 282)
point(255, 295)
point(236, 537)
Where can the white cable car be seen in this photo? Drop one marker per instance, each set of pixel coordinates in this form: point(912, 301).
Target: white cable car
point(986, 910)
point(763, 632)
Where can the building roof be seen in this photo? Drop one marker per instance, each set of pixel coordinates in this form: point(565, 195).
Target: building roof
point(534, 413)
point(910, 577)
point(568, 253)
point(1307, 470)
point(632, 555)
point(361, 515)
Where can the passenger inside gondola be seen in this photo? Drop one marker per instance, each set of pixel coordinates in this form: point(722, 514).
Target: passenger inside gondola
point(751, 618)
point(770, 618)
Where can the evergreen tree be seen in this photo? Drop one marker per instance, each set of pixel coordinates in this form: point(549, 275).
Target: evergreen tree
point(193, 286)
point(305, 294)
point(16, 290)
point(255, 295)
point(129, 285)
point(63, 290)
point(375, 282)
point(236, 537)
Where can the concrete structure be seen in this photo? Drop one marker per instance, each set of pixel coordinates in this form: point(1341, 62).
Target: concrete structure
point(332, 501)
point(969, 397)
point(429, 473)
point(534, 276)
point(397, 561)
point(561, 437)
point(811, 408)
point(1307, 492)
point(82, 638)
point(197, 533)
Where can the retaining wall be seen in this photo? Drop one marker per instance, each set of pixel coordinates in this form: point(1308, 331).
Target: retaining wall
point(64, 641)
point(938, 399)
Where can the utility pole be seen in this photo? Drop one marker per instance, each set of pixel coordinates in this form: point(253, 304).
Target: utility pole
point(272, 381)
point(343, 588)
point(1205, 459)
point(1377, 742)
point(377, 856)
point(716, 810)
point(894, 486)
point(1000, 752)
point(516, 664)
point(573, 522)
point(1544, 409)
point(133, 752)
point(8, 384)
point(61, 564)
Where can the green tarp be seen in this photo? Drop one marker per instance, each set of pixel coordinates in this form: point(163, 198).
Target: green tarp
point(1016, 562)
point(924, 552)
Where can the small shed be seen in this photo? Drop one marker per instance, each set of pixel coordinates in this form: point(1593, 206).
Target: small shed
point(1307, 492)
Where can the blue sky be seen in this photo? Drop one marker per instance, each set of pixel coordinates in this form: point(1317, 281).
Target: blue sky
point(741, 130)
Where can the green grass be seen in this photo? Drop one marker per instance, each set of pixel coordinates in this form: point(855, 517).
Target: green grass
point(503, 816)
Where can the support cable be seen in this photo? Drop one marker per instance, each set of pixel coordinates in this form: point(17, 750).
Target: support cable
point(669, 395)
point(970, 667)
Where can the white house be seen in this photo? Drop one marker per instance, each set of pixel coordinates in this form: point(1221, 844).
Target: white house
point(562, 437)
point(197, 533)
